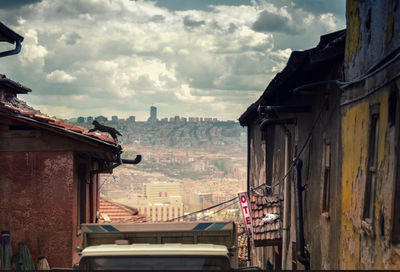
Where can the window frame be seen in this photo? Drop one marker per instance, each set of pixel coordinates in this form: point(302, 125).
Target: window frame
point(372, 165)
point(326, 171)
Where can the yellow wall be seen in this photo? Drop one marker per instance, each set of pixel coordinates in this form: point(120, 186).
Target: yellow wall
point(358, 249)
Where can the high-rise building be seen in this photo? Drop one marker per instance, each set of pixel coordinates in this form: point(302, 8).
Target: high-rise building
point(153, 115)
point(131, 119)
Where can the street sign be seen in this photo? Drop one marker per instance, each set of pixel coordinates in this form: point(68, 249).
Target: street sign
point(246, 212)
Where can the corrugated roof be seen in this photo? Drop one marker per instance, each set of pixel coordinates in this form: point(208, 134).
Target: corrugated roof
point(114, 212)
point(266, 214)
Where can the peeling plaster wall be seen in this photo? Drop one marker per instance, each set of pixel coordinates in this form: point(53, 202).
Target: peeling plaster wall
point(361, 248)
point(373, 25)
point(36, 201)
point(375, 37)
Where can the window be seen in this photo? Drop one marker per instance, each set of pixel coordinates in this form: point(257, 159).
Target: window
point(372, 162)
point(326, 176)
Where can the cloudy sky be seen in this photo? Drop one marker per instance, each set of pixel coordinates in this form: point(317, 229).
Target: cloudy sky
point(205, 58)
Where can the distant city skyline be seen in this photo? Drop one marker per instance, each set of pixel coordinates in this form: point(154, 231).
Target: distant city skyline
point(188, 58)
point(151, 117)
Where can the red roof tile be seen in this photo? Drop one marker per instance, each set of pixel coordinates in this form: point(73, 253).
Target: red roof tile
point(114, 212)
point(20, 109)
point(266, 219)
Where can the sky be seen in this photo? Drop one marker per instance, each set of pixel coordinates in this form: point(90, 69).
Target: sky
point(192, 58)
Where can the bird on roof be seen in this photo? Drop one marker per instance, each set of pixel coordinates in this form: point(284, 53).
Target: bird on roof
point(110, 130)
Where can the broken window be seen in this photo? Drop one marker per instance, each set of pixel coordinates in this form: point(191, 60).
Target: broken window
point(372, 162)
point(326, 174)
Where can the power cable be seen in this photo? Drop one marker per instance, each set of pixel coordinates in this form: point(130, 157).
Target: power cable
point(299, 153)
point(220, 210)
point(202, 210)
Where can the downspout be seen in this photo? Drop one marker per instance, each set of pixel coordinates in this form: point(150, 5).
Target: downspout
point(286, 198)
point(12, 52)
point(300, 244)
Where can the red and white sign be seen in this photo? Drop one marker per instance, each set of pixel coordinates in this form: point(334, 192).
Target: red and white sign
point(246, 211)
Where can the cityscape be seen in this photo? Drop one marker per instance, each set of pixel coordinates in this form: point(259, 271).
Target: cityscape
point(188, 164)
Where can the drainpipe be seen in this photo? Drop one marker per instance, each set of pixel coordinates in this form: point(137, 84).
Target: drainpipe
point(298, 198)
point(12, 52)
point(125, 161)
point(286, 198)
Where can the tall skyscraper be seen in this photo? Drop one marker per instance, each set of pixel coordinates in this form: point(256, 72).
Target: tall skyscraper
point(153, 115)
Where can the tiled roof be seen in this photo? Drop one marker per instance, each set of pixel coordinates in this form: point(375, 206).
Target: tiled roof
point(114, 212)
point(19, 109)
point(266, 213)
point(13, 85)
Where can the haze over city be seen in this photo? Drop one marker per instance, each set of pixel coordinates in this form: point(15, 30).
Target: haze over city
point(188, 58)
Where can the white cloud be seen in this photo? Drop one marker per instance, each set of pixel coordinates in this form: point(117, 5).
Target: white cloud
point(32, 54)
point(59, 76)
point(329, 21)
point(121, 56)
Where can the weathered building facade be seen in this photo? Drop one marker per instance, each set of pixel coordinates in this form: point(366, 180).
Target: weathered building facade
point(49, 173)
point(285, 129)
point(370, 228)
point(324, 138)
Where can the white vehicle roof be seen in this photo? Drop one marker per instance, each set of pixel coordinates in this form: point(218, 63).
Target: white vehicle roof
point(155, 249)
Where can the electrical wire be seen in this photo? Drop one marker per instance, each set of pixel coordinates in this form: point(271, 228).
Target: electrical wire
point(202, 210)
point(220, 210)
point(98, 190)
point(298, 155)
point(344, 84)
point(264, 185)
point(338, 82)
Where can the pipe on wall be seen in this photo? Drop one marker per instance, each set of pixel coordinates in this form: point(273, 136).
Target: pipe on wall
point(12, 52)
point(300, 243)
point(286, 198)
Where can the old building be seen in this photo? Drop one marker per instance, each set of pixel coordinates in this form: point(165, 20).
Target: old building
point(332, 116)
point(370, 224)
point(49, 176)
point(289, 125)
